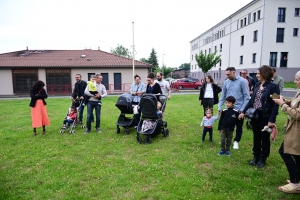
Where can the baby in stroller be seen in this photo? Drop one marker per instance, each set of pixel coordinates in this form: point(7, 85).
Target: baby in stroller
point(151, 123)
point(71, 117)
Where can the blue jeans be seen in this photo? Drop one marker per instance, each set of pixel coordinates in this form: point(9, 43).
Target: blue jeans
point(90, 107)
point(69, 121)
point(80, 113)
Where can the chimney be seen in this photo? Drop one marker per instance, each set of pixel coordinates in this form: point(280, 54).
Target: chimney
point(27, 48)
point(99, 48)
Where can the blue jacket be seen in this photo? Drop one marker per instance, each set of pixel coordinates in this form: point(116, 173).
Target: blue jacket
point(269, 107)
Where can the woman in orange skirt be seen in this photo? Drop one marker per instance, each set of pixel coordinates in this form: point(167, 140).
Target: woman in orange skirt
point(39, 114)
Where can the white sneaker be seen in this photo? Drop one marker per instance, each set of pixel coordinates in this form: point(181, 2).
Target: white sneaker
point(235, 145)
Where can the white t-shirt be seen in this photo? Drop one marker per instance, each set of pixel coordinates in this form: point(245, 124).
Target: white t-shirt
point(164, 86)
point(209, 91)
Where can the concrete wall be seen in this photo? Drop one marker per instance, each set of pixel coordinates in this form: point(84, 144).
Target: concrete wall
point(6, 82)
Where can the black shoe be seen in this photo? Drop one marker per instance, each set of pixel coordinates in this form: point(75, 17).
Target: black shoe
point(254, 161)
point(261, 163)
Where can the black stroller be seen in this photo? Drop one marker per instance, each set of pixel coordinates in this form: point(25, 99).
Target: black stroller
point(124, 103)
point(151, 123)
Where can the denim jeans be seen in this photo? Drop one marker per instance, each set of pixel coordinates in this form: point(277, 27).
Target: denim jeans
point(80, 113)
point(90, 107)
point(69, 121)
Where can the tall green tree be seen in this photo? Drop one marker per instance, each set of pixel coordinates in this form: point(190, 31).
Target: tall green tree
point(205, 63)
point(144, 60)
point(165, 70)
point(185, 66)
point(153, 59)
point(121, 51)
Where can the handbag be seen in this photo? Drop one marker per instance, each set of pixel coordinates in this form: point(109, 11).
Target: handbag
point(251, 113)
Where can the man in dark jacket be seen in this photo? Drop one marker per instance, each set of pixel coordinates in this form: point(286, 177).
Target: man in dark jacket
point(251, 82)
point(78, 93)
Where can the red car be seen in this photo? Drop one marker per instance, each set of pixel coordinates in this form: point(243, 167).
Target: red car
point(188, 83)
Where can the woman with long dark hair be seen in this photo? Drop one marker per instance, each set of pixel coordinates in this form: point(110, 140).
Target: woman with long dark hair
point(152, 86)
point(209, 93)
point(266, 113)
point(39, 114)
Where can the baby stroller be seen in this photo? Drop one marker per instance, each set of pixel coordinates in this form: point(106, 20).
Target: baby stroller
point(151, 123)
point(72, 127)
point(124, 103)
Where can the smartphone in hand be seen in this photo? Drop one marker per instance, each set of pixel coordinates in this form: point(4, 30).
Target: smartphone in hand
point(275, 96)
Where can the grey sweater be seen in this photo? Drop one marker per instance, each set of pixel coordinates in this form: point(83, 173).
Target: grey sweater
point(101, 90)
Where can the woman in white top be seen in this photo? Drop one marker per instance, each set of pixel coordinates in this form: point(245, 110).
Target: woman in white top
point(209, 93)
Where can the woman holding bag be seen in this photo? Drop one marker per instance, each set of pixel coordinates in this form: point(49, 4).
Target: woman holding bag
point(290, 147)
point(266, 112)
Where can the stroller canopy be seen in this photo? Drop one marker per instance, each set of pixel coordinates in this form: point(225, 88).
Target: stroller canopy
point(148, 106)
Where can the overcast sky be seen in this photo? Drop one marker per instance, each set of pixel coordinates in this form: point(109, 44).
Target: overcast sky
point(166, 25)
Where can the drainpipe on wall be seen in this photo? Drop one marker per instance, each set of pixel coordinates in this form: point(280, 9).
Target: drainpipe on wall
point(229, 43)
point(262, 34)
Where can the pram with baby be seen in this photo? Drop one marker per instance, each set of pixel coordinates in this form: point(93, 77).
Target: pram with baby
point(151, 123)
point(77, 103)
point(124, 103)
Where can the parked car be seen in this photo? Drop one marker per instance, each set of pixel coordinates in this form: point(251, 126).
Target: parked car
point(193, 79)
point(188, 83)
point(169, 79)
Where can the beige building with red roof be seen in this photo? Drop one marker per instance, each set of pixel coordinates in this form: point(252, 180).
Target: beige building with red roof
point(57, 68)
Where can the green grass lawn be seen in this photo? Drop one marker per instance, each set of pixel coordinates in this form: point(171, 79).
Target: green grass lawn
point(290, 85)
point(115, 166)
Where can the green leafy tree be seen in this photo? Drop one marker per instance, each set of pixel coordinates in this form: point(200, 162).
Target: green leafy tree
point(153, 59)
point(185, 66)
point(121, 51)
point(165, 70)
point(205, 63)
point(144, 60)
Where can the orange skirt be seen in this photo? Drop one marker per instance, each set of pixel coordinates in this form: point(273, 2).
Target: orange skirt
point(39, 115)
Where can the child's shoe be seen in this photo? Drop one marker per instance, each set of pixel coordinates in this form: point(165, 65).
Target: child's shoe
point(64, 126)
point(267, 129)
point(221, 153)
point(227, 153)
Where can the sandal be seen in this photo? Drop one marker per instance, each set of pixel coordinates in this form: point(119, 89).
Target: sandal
point(288, 188)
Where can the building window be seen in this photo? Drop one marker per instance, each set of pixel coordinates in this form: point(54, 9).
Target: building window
point(220, 63)
point(254, 58)
point(280, 35)
point(192, 57)
point(242, 23)
point(283, 59)
point(215, 48)
point(58, 81)
point(242, 40)
point(117, 81)
point(24, 79)
point(205, 52)
point(281, 15)
point(254, 36)
point(295, 32)
point(241, 60)
point(220, 47)
point(254, 17)
point(258, 14)
point(297, 12)
point(245, 22)
point(208, 50)
point(273, 59)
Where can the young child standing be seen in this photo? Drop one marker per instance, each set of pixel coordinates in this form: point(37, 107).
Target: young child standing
point(226, 125)
point(92, 89)
point(70, 117)
point(208, 122)
point(158, 111)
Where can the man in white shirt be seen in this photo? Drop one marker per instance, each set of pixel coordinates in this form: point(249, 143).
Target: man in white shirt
point(93, 104)
point(165, 88)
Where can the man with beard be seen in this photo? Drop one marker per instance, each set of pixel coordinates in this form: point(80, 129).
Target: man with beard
point(165, 88)
point(78, 94)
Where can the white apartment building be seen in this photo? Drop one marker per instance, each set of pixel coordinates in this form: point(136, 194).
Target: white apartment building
point(264, 32)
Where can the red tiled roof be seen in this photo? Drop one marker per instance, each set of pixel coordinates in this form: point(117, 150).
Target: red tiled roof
point(66, 58)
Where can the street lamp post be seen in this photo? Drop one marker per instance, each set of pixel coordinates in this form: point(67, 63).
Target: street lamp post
point(163, 64)
point(133, 50)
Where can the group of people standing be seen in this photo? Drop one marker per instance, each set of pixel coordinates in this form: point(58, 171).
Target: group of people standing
point(241, 93)
point(235, 94)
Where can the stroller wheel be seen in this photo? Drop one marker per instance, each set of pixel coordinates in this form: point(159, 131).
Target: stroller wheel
point(166, 132)
point(127, 131)
point(139, 139)
point(148, 140)
point(72, 131)
point(60, 131)
point(118, 130)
